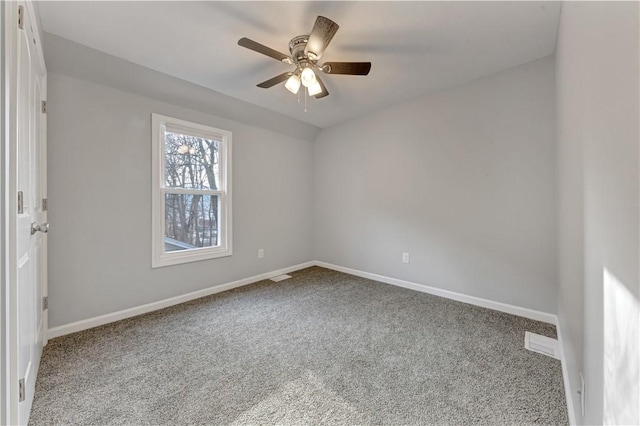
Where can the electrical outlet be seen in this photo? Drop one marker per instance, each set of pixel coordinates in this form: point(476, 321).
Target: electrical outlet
point(260, 253)
point(405, 257)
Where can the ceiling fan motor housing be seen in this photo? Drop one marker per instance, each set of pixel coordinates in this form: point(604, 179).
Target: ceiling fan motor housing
point(297, 46)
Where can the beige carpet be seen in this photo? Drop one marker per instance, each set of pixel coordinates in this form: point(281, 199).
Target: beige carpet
point(320, 348)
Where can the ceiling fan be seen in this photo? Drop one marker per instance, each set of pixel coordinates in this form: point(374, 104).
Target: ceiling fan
point(306, 51)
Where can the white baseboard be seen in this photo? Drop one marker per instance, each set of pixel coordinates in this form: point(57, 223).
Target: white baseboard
point(472, 300)
point(73, 327)
point(138, 310)
point(565, 377)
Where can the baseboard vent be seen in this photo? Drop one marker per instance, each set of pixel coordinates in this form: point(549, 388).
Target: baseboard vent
point(542, 344)
point(280, 278)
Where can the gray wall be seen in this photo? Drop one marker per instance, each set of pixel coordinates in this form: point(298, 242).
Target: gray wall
point(599, 207)
point(463, 180)
point(100, 211)
point(66, 57)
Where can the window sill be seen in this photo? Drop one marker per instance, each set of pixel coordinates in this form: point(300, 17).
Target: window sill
point(188, 257)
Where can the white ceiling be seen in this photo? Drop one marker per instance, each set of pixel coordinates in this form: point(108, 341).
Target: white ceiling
point(416, 48)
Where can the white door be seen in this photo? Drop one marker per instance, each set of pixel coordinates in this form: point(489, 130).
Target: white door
point(31, 226)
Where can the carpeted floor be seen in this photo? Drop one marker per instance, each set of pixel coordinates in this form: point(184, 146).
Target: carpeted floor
point(321, 347)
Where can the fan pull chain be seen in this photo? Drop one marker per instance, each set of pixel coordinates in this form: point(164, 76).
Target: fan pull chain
point(305, 99)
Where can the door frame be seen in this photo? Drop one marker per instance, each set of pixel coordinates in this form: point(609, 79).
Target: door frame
point(9, 213)
point(9, 407)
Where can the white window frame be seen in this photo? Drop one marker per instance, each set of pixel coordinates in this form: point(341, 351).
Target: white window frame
point(160, 258)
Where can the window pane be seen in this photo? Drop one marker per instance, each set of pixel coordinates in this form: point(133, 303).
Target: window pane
point(191, 221)
point(191, 162)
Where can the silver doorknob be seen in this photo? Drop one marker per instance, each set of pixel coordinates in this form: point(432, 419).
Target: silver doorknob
point(44, 228)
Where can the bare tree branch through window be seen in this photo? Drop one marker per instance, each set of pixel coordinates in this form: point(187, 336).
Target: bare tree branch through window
point(192, 219)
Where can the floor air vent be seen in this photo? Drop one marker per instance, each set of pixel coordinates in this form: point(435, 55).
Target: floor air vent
point(542, 344)
point(280, 278)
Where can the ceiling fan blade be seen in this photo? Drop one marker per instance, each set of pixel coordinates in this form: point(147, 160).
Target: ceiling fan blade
point(323, 31)
point(275, 80)
point(350, 68)
point(261, 48)
point(324, 92)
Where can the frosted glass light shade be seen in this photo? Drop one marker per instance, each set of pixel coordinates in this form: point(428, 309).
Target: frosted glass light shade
point(315, 88)
point(308, 77)
point(293, 84)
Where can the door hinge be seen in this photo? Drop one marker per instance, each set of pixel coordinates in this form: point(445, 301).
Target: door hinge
point(45, 303)
point(21, 17)
point(45, 204)
point(21, 390)
point(20, 202)
point(44, 107)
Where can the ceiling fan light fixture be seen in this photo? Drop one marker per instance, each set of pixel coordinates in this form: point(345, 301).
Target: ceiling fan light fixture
point(293, 84)
point(308, 77)
point(315, 88)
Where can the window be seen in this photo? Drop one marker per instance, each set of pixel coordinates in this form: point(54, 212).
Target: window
point(191, 197)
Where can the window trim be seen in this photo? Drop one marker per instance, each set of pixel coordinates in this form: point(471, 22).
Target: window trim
point(159, 257)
